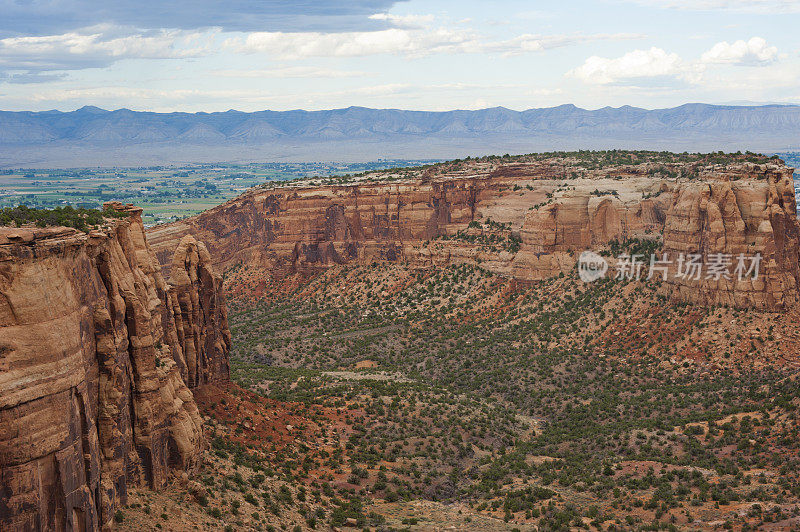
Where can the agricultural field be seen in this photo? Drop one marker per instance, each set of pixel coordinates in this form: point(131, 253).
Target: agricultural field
point(166, 193)
point(384, 397)
point(170, 193)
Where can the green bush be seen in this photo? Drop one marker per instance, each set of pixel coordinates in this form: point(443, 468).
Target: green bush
point(80, 218)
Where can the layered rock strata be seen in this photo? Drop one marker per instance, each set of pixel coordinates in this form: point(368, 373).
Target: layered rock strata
point(98, 356)
point(527, 220)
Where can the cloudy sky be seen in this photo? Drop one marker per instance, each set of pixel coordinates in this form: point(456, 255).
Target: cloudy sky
point(199, 55)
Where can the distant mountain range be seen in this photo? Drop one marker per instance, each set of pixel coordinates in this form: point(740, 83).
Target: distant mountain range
point(93, 136)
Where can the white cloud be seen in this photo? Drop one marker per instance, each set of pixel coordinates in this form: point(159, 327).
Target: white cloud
point(410, 36)
point(402, 41)
point(634, 67)
point(386, 89)
point(766, 83)
point(171, 99)
point(290, 72)
point(353, 44)
point(404, 21)
point(657, 66)
point(752, 52)
point(537, 43)
point(746, 6)
point(96, 47)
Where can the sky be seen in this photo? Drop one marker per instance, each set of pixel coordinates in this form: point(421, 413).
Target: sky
point(435, 55)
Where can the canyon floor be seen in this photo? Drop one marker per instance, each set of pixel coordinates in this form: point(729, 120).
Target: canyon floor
point(383, 398)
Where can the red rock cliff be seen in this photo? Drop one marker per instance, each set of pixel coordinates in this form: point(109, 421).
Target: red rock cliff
point(98, 356)
point(543, 213)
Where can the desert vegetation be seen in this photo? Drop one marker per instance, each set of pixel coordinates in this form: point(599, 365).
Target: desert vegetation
point(557, 405)
point(67, 216)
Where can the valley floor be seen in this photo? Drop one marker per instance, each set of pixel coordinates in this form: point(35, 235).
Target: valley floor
point(386, 398)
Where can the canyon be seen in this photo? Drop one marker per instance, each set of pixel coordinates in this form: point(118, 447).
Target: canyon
point(114, 343)
point(526, 218)
point(99, 358)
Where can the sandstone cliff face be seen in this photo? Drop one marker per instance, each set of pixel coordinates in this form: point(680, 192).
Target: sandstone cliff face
point(296, 230)
point(98, 355)
point(196, 297)
point(733, 218)
point(553, 209)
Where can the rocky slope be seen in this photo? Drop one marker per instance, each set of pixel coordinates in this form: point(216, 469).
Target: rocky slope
point(98, 359)
point(524, 217)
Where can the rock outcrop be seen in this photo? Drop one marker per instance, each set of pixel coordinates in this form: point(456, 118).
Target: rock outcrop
point(731, 219)
point(201, 321)
point(98, 356)
point(528, 219)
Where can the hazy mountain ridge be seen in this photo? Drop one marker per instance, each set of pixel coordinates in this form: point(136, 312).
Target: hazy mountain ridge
point(91, 135)
point(94, 124)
